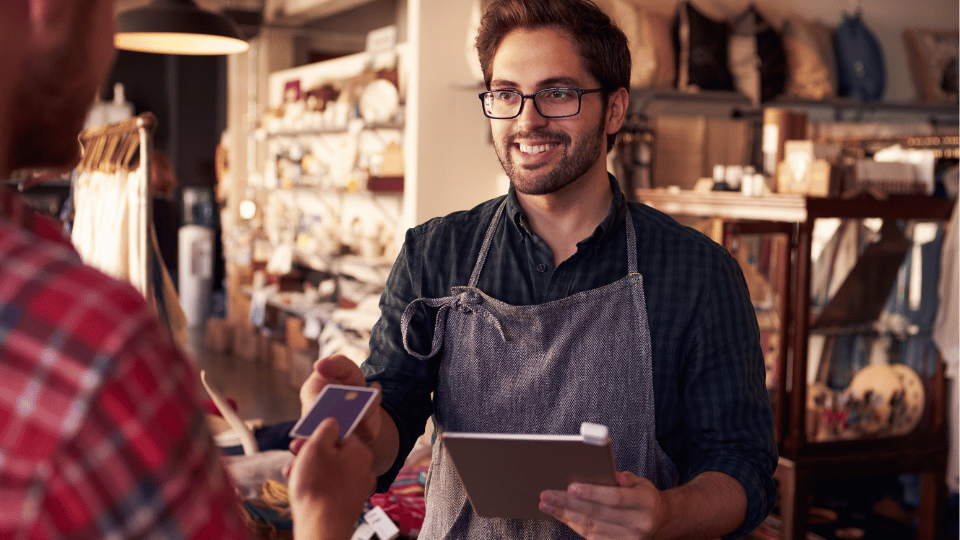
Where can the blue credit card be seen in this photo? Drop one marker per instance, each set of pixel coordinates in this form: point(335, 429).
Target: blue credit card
point(345, 403)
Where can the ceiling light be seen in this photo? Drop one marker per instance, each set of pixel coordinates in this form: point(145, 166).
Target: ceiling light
point(177, 27)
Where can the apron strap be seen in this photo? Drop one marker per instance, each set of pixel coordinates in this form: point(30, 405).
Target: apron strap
point(631, 245)
point(439, 326)
point(486, 244)
point(468, 301)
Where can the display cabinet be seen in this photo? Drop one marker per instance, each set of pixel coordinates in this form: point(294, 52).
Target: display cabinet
point(845, 309)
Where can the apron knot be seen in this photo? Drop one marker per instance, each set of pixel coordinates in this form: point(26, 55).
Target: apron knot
point(471, 301)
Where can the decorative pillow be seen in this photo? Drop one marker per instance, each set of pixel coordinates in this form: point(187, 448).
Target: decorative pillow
point(745, 64)
point(824, 36)
point(757, 58)
point(701, 45)
point(810, 74)
point(657, 59)
point(933, 59)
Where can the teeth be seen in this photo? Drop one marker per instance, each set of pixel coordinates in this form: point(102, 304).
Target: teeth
point(535, 149)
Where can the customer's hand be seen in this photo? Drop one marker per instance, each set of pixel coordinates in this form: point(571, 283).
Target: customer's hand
point(339, 370)
point(329, 481)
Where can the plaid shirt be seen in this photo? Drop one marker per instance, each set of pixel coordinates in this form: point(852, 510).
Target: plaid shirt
point(101, 434)
point(712, 408)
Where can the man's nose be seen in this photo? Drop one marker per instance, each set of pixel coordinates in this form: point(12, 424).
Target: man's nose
point(530, 117)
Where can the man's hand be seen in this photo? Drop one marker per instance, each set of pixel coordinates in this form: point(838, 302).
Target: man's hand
point(329, 481)
point(709, 506)
point(634, 509)
point(339, 370)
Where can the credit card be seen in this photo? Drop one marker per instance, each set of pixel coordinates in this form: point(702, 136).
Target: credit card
point(345, 403)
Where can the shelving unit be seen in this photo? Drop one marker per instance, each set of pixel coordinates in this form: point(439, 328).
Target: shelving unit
point(804, 461)
point(734, 104)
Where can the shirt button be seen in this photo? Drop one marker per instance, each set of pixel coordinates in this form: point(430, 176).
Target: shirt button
point(541, 268)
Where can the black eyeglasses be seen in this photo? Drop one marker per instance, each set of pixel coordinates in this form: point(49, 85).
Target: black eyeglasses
point(550, 102)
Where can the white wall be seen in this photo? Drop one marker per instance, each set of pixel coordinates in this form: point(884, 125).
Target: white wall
point(455, 166)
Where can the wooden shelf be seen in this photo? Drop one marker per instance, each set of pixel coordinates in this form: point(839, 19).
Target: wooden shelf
point(726, 205)
point(327, 131)
point(803, 462)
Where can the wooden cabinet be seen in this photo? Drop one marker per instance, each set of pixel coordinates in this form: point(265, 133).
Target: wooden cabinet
point(810, 449)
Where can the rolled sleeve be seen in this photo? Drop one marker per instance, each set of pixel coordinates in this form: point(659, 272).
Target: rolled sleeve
point(727, 402)
point(407, 382)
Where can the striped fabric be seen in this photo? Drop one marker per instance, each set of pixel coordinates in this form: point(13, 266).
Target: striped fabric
point(101, 434)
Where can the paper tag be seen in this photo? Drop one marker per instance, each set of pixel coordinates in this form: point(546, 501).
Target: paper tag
point(381, 523)
point(382, 39)
point(363, 532)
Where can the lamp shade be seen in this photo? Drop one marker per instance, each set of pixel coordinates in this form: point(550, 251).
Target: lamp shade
point(177, 27)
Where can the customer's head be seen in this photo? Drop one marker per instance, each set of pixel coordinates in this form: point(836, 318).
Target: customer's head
point(13, 18)
point(69, 47)
point(602, 46)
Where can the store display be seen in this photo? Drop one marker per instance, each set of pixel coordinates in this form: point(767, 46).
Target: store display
point(379, 102)
point(860, 66)
point(655, 61)
point(757, 58)
point(933, 59)
point(701, 45)
point(810, 58)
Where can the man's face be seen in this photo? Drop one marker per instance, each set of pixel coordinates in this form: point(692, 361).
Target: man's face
point(71, 51)
point(543, 155)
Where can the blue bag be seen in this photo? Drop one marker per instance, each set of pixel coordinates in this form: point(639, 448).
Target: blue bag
point(860, 72)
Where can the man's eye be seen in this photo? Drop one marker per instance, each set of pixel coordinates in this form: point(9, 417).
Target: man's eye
point(505, 96)
point(559, 94)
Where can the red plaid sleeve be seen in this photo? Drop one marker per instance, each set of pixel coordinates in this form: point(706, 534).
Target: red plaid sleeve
point(101, 432)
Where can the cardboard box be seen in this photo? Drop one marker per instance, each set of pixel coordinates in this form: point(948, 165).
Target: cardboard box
point(218, 336)
point(264, 348)
point(301, 365)
point(245, 343)
point(807, 169)
point(295, 338)
point(687, 147)
point(280, 355)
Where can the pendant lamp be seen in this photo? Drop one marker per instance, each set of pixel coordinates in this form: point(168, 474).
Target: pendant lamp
point(177, 27)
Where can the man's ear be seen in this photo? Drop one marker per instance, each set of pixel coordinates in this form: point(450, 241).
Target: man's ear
point(617, 105)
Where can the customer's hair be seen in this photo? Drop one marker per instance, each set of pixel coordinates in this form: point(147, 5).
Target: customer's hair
point(601, 44)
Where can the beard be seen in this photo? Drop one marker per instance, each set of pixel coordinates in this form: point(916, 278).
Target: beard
point(576, 160)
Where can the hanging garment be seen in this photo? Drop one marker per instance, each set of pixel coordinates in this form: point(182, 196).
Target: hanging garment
point(540, 369)
point(109, 230)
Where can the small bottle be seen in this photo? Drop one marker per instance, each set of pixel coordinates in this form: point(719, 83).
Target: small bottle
point(720, 178)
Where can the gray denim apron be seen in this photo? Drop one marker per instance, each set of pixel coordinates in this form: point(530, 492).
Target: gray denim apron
point(540, 369)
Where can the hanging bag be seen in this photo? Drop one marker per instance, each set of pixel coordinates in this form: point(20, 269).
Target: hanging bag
point(860, 72)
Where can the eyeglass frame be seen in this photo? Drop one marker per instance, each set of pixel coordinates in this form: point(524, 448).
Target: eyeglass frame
point(524, 97)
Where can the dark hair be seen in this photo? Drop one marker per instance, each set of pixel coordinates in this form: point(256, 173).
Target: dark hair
point(602, 45)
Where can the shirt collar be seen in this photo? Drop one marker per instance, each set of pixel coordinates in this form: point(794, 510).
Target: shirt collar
point(603, 233)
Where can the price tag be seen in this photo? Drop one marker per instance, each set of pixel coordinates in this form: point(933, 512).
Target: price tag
point(381, 523)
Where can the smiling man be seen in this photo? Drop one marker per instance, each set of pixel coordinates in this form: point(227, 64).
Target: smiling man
point(560, 303)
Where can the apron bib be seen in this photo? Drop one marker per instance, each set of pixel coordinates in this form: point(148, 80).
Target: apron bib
point(539, 369)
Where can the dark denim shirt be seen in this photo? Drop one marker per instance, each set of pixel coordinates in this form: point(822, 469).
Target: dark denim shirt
point(712, 408)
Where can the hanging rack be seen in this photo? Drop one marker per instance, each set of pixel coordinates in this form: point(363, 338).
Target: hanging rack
point(112, 148)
